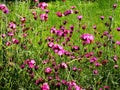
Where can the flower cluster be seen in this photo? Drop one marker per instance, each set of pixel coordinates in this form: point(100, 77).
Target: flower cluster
point(87, 38)
point(57, 48)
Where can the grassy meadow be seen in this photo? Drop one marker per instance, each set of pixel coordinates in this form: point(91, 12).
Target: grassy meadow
point(60, 45)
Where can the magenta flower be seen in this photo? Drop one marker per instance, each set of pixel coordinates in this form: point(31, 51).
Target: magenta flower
point(68, 12)
point(118, 43)
point(93, 59)
point(10, 34)
point(22, 66)
point(114, 6)
point(43, 5)
point(87, 38)
point(4, 8)
point(8, 43)
point(48, 70)
point(59, 14)
point(63, 65)
point(15, 41)
point(95, 72)
point(115, 58)
point(88, 55)
point(116, 66)
point(102, 17)
point(35, 0)
point(94, 27)
point(80, 17)
point(74, 48)
point(31, 63)
point(3, 35)
point(118, 29)
point(45, 86)
point(12, 25)
point(44, 17)
point(23, 19)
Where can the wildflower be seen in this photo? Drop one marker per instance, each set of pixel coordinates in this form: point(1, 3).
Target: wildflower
point(74, 69)
point(59, 14)
point(116, 66)
point(80, 17)
point(31, 63)
point(73, 7)
point(4, 8)
point(3, 35)
point(94, 27)
point(23, 19)
point(118, 29)
point(12, 25)
point(102, 17)
point(10, 34)
point(44, 17)
point(67, 12)
point(38, 81)
point(45, 86)
point(36, 67)
point(110, 17)
point(95, 72)
point(118, 43)
point(87, 55)
point(48, 70)
point(87, 38)
point(22, 66)
point(35, 0)
point(43, 5)
point(114, 6)
point(63, 65)
point(97, 64)
point(115, 58)
point(15, 41)
point(8, 43)
point(74, 48)
point(93, 59)
point(106, 87)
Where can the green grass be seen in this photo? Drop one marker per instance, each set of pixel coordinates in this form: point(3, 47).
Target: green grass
point(12, 77)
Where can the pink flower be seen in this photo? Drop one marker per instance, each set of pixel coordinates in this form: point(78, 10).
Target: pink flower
point(4, 8)
point(114, 6)
point(35, 0)
point(12, 25)
point(59, 14)
point(15, 41)
point(93, 59)
point(31, 63)
point(118, 29)
point(23, 19)
point(63, 65)
point(115, 58)
point(8, 43)
point(67, 12)
point(43, 5)
point(87, 38)
point(95, 72)
point(88, 55)
point(44, 17)
point(118, 43)
point(94, 27)
point(48, 70)
point(45, 86)
point(3, 35)
point(80, 17)
point(102, 17)
point(10, 34)
point(116, 66)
